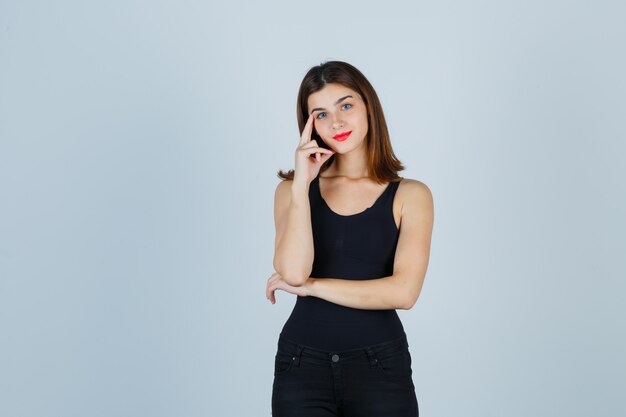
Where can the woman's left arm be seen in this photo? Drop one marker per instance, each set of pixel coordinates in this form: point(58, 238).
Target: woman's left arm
point(402, 289)
point(398, 291)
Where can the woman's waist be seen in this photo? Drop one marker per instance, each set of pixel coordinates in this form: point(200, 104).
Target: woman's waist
point(340, 334)
point(319, 323)
point(317, 310)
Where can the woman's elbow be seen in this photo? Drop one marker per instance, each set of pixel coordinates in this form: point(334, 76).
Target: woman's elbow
point(410, 300)
point(293, 278)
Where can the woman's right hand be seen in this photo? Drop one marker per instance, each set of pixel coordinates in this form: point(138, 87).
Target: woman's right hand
point(308, 166)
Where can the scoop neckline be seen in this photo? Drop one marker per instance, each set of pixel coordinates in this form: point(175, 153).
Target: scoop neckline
point(319, 193)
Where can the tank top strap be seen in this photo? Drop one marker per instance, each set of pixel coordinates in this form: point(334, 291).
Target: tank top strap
point(390, 193)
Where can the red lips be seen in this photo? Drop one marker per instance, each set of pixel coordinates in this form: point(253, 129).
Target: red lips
point(342, 136)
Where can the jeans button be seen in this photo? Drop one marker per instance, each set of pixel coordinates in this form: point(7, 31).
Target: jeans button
point(335, 358)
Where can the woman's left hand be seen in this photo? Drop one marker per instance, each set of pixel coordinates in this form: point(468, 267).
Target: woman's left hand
point(276, 282)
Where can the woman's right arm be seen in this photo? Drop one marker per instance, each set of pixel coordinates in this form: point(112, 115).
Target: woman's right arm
point(293, 249)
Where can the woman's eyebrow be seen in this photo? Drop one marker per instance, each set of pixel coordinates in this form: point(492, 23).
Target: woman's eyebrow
point(336, 102)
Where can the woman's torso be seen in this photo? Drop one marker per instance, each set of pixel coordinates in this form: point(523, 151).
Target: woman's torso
point(358, 247)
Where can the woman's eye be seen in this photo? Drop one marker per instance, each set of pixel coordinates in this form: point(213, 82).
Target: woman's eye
point(322, 113)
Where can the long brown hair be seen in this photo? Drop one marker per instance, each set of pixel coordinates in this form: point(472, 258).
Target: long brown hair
point(383, 166)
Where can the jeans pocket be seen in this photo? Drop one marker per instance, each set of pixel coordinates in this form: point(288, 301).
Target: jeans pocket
point(397, 364)
point(283, 363)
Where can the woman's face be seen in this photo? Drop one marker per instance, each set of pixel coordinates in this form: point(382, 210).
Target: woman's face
point(336, 110)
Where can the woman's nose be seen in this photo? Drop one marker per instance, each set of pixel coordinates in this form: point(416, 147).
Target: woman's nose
point(337, 124)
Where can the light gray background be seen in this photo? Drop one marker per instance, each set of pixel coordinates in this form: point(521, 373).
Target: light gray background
point(139, 143)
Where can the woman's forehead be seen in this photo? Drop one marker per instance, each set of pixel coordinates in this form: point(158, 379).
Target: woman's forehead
point(329, 95)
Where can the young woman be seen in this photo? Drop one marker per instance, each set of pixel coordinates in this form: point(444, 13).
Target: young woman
point(353, 243)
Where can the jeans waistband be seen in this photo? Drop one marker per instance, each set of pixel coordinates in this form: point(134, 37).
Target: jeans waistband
point(372, 351)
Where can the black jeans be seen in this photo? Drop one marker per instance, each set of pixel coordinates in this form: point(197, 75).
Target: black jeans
point(372, 381)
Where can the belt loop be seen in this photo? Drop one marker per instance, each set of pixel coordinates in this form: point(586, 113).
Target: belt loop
point(296, 357)
point(372, 357)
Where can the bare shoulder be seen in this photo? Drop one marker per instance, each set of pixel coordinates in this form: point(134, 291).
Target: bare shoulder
point(282, 199)
point(283, 186)
point(414, 189)
point(282, 194)
point(414, 195)
point(283, 189)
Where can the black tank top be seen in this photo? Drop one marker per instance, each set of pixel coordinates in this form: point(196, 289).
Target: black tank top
point(357, 247)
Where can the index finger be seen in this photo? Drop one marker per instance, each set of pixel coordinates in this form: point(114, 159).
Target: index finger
point(306, 132)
